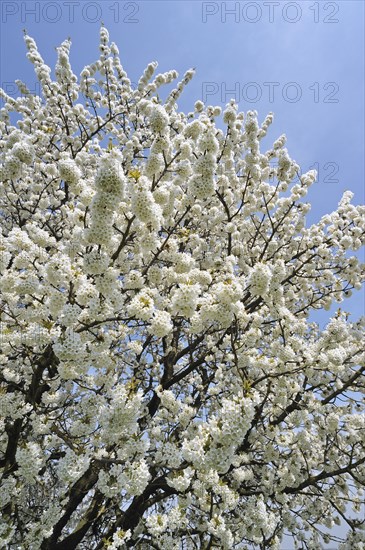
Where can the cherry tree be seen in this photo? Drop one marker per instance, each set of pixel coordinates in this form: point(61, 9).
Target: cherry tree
point(162, 382)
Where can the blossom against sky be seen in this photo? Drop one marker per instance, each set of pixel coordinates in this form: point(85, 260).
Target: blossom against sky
point(302, 60)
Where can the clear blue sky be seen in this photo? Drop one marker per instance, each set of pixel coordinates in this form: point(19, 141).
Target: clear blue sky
point(268, 52)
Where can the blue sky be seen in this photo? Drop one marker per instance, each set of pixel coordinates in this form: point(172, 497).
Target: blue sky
point(309, 51)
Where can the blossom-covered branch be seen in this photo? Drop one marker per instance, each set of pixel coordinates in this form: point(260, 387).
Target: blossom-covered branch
point(162, 384)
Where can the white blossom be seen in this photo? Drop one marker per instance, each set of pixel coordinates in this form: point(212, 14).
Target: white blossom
point(162, 382)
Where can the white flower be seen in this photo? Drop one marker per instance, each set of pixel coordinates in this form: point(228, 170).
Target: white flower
point(154, 165)
point(95, 262)
point(70, 314)
point(134, 280)
point(69, 171)
point(142, 306)
point(110, 177)
point(144, 205)
point(229, 114)
point(259, 279)
point(156, 524)
point(161, 324)
point(70, 347)
point(29, 461)
point(185, 299)
point(12, 168)
point(158, 119)
point(202, 186)
point(24, 151)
